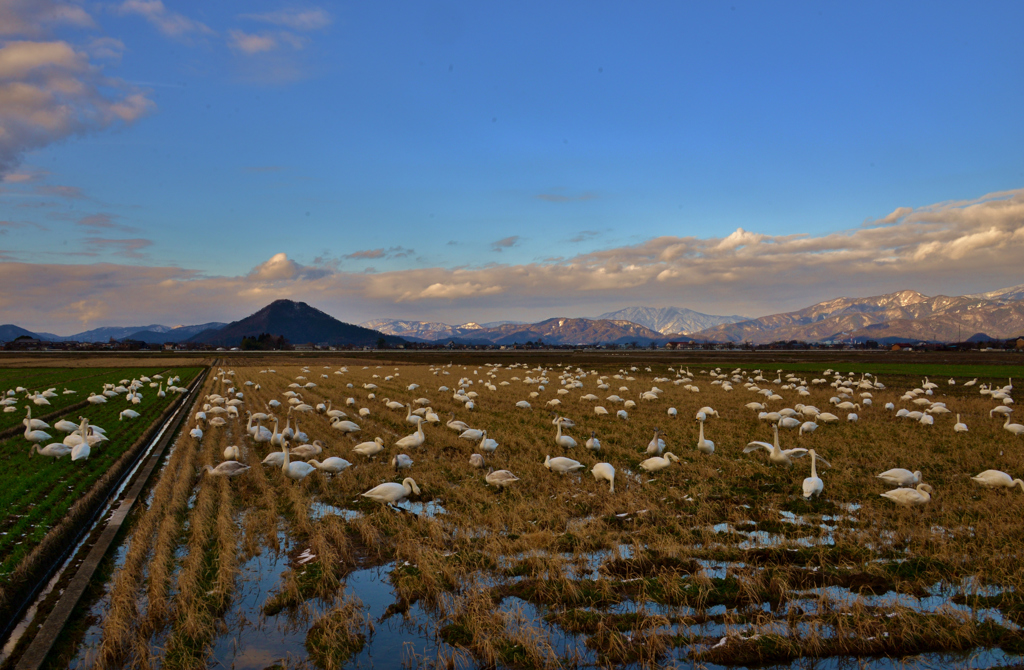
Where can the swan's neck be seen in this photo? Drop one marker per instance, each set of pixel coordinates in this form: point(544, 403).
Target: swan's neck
point(701, 439)
point(1016, 482)
point(284, 467)
point(814, 467)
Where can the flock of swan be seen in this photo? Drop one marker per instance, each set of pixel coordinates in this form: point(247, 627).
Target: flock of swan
point(298, 462)
point(80, 437)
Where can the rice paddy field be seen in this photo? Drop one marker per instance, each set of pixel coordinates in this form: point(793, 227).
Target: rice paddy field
point(717, 560)
point(36, 491)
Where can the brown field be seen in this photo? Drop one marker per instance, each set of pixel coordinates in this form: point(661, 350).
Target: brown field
point(716, 559)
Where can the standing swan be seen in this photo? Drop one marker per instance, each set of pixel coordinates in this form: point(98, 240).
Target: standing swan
point(563, 440)
point(605, 471)
point(910, 497)
point(297, 470)
point(775, 453)
point(813, 486)
point(704, 446)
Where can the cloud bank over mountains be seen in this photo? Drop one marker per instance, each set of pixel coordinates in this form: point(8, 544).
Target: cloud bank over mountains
point(931, 249)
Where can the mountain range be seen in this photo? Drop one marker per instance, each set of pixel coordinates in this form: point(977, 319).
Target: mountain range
point(902, 316)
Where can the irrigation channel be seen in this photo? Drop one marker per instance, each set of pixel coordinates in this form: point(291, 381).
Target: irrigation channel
point(711, 561)
point(76, 567)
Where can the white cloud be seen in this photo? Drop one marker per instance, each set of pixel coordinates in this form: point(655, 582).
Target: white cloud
point(49, 91)
point(952, 248)
point(170, 23)
point(249, 43)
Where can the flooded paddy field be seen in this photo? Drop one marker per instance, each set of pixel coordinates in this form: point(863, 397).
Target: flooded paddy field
point(714, 560)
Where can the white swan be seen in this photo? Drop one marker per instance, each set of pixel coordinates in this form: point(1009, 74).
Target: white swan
point(605, 471)
point(1015, 428)
point(593, 443)
point(413, 441)
point(659, 462)
point(995, 479)
point(370, 448)
point(500, 478)
point(401, 462)
point(900, 477)
point(232, 453)
point(562, 464)
point(704, 446)
point(958, 426)
point(307, 451)
point(81, 451)
point(36, 436)
point(487, 445)
point(776, 454)
point(130, 413)
point(808, 427)
point(458, 426)
point(563, 440)
point(656, 445)
point(34, 424)
point(226, 469)
point(196, 433)
point(813, 486)
point(55, 450)
point(333, 465)
point(476, 460)
point(345, 426)
point(295, 470)
point(910, 497)
point(391, 492)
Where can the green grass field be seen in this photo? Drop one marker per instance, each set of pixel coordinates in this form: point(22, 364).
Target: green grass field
point(36, 491)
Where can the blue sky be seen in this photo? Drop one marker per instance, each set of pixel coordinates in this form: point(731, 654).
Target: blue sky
point(420, 159)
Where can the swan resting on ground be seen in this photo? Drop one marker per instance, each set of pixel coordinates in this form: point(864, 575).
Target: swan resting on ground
point(390, 492)
point(997, 479)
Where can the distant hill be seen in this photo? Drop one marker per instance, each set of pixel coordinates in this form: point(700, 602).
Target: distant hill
point(298, 323)
point(669, 320)
point(10, 332)
point(903, 316)
point(179, 334)
point(424, 331)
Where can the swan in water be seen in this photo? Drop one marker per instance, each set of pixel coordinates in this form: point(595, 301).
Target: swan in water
point(295, 470)
point(55, 450)
point(704, 446)
point(656, 463)
point(900, 477)
point(813, 485)
point(333, 465)
point(370, 448)
point(562, 464)
point(605, 471)
point(500, 478)
point(390, 492)
point(593, 443)
point(776, 454)
point(995, 479)
point(401, 462)
point(226, 469)
point(563, 440)
point(910, 497)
